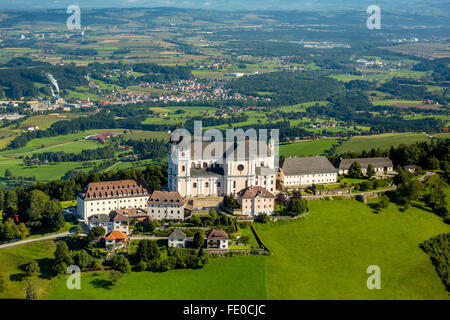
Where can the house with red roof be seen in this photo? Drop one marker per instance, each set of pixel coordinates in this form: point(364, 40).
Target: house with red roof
point(115, 239)
point(217, 239)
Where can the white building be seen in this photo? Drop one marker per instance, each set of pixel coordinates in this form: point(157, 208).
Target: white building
point(306, 171)
point(177, 239)
point(115, 221)
point(104, 197)
point(166, 205)
point(381, 165)
point(221, 168)
point(255, 201)
point(217, 239)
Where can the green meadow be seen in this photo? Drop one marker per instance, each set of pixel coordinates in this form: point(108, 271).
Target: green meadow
point(307, 148)
point(326, 255)
point(323, 256)
point(241, 277)
point(381, 141)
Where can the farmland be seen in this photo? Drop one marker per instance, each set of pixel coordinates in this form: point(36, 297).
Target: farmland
point(307, 148)
point(247, 272)
point(382, 141)
point(307, 265)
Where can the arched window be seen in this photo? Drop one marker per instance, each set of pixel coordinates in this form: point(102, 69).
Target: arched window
point(205, 165)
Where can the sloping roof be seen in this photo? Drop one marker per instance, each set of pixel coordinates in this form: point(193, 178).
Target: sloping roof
point(118, 216)
point(133, 212)
point(99, 218)
point(264, 171)
point(307, 165)
point(116, 235)
point(201, 172)
point(177, 234)
point(167, 198)
point(248, 149)
point(217, 235)
point(254, 191)
point(380, 162)
point(114, 189)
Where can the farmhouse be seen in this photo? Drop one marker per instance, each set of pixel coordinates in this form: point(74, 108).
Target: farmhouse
point(295, 172)
point(166, 205)
point(382, 165)
point(217, 239)
point(255, 201)
point(111, 222)
point(221, 168)
point(30, 128)
point(115, 239)
point(177, 239)
point(107, 196)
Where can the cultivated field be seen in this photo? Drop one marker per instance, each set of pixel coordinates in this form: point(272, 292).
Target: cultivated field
point(307, 148)
point(381, 141)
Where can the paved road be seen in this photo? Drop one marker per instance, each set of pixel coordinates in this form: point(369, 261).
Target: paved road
point(146, 237)
point(17, 243)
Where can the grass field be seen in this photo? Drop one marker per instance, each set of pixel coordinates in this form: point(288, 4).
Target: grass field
point(382, 141)
point(46, 172)
point(15, 258)
point(325, 256)
point(307, 148)
point(211, 282)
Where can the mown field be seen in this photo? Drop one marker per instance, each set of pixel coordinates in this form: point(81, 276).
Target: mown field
point(383, 141)
point(240, 277)
point(326, 255)
point(307, 148)
point(14, 259)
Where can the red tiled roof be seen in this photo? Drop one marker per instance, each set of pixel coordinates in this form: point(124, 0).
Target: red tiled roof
point(116, 235)
point(115, 189)
point(217, 234)
point(254, 191)
point(167, 198)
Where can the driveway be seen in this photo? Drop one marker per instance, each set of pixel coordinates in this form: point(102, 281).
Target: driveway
point(17, 243)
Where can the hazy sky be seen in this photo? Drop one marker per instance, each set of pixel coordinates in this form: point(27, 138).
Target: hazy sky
point(422, 6)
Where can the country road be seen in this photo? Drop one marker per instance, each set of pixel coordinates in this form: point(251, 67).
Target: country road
point(17, 243)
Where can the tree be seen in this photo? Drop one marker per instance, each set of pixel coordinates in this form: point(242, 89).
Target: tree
point(115, 276)
point(30, 291)
point(199, 240)
point(384, 202)
point(296, 207)
point(370, 171)
point(96, 233)
point(281, 199)
point(8, 174)
point(436, 198)
point(121, 264)
point(62, 257)
point(195, 220)
point(147, 250)
point(32, 268)
point(355, 170)
point(83, 259)
point(3, 283)
point(230, 202)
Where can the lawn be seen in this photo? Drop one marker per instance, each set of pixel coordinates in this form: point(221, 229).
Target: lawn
point(307, 148)
point(325, 256)
point(15, 258)
point(47, 172)
point(381, 141)
point(241, 277)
